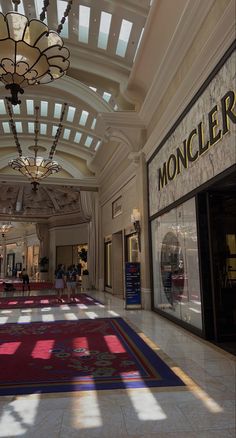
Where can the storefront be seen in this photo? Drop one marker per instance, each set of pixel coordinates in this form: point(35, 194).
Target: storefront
point(192, 213)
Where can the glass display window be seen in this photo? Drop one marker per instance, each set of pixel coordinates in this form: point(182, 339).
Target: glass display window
point(176, 279)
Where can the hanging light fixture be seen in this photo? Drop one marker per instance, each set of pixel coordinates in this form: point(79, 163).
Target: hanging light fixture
point(5, 227)
point(30, 53)
point(35, 167)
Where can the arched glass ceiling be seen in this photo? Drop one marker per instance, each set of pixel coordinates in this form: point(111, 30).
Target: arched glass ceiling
point(79, 125)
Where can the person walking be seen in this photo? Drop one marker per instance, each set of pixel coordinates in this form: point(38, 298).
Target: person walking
point(25, 281)
point(59, 281)
point(71, 282)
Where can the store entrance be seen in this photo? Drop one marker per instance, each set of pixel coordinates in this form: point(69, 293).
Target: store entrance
point(223, 254)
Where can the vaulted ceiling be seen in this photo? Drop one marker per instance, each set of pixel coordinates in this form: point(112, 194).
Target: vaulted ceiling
point(103, 38)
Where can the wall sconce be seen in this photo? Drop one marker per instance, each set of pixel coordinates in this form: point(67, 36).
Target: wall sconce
point(135, 220)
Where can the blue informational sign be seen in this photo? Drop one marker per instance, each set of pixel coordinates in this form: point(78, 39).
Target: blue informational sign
point(132, 284)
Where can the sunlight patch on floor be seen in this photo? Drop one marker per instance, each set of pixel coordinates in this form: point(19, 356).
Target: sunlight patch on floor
point(71, 317)
point(198, 392)
point(48, 318)
point(18, 415)
point(24, 318)
point(91, 315)
point(90, 415)
point(146, 407)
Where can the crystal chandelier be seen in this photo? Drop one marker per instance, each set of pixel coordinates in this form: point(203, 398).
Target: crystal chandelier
point(30, 53)
point(35, 167)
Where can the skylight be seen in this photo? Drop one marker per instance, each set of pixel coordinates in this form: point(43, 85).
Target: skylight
point(16, 109)
point(44, 108)
point(61, 6)
point(84, 17)
point(83, 118)
point(124, 35)
point(18, 126)
point(93, 88)
point(57, 110)
point(97, 145)
point(104, 30)
point(70, 114)
point(88, 141)
point(139, 41)
point(106, 96)
point(6, 127)
point(78, 136)
point(2, 107)
point(54, 130)
point(43, 128)
point(30, 127)
point(66, 134)
point(30, 106)
point(94, 123)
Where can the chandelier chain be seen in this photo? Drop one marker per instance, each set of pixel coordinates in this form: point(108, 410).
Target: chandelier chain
point(58, 133)
point(44, 10)
point(66, 13)
point(13, 127)
point(16, 4)
point(36, 130)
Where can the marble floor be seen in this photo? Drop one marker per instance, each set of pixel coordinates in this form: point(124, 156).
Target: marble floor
point(205, 409)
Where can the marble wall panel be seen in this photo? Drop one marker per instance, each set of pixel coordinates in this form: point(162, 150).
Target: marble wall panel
point(215, 160)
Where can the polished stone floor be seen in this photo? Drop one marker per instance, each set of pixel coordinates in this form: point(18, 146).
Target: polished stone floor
point(205, 409)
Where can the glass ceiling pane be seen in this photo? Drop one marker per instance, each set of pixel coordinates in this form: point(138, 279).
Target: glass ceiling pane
point(139, 41)
point(66, 134)
point(124, 35)
point(44, 108)
point(30, 106)
point(61, 6)
point(106, 96)
point(94, 123)
point(30, 127)
point(70, 114)
point(6, 127)
point(88, 141)
point(19, 126)
point(2, 107)
point(84, 17)
point(104, 30)
point(83, 118)
point(43, 128)
point(57, 110)
point(97, 145)
point(78, 136)
point(16, 109)
point(54, 130)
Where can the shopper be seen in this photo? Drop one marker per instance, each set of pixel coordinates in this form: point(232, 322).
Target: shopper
point(25, 281)
point(59, 281)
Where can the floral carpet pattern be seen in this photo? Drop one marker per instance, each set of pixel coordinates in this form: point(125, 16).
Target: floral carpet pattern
point(21, 302)
point(104, 353)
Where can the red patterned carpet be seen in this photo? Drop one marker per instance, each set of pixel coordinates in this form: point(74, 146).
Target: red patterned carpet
point(104, 353)
point(44, 301)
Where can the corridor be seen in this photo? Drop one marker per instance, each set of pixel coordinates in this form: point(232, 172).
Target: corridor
point(204, 408)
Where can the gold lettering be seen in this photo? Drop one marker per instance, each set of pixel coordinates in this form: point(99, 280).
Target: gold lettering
point(213, 124)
